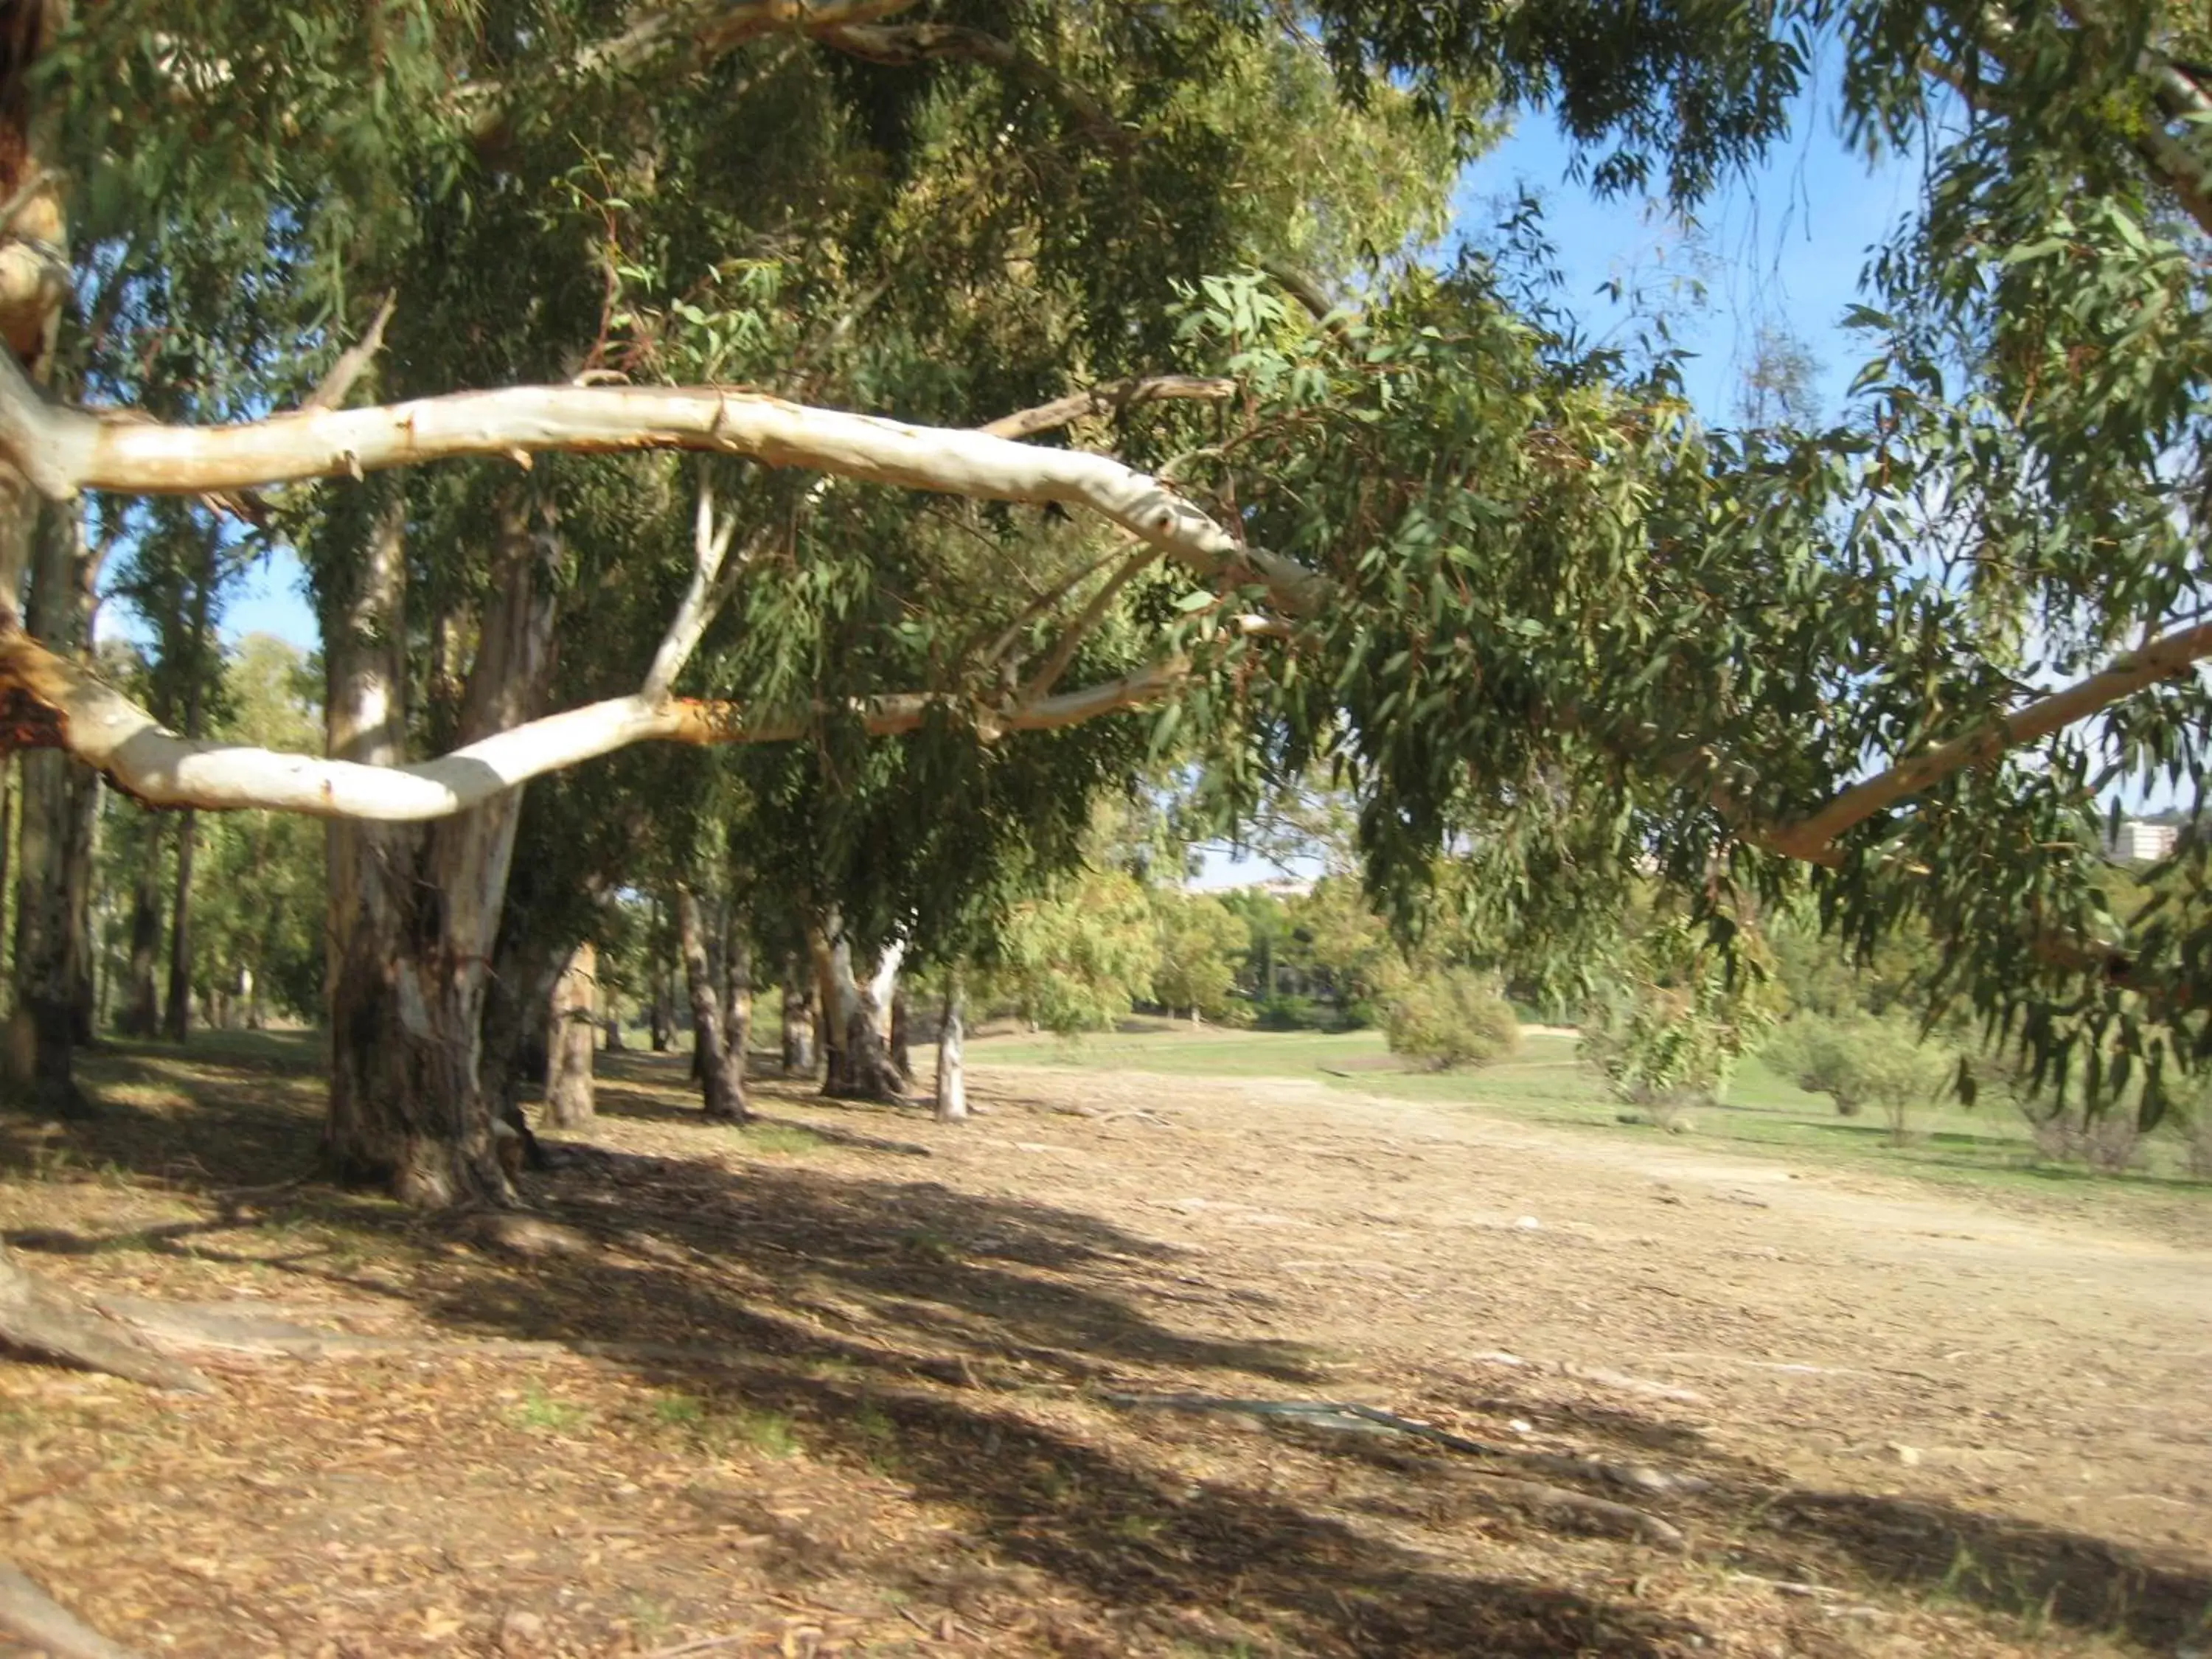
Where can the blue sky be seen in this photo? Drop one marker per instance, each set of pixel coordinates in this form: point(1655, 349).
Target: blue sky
point(1786, 243)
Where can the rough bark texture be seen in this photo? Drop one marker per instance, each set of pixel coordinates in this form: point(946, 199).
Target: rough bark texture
point(415, 914)
point(721, 1084)
point(572, 1023)
point(42, 1025)
point(952, 1056)
point(516, 1006)
point(798, 1020)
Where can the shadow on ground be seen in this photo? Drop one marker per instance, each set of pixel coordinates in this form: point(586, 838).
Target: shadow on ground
point(968, 1322)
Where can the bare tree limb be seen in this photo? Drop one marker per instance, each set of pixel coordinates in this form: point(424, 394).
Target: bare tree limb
point(1064, 652)
point(710, 543)
point(1301, 285)
point(34, 1320)
point(2162, 658)
point(339, 382)
point(1110, 399)
point(63, 450)
point(2181, 168)
point(46, 701)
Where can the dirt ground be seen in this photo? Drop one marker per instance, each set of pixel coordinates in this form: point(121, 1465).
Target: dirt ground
point(894, 1388)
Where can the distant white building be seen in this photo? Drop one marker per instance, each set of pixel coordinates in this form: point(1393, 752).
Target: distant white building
point(2138, 842)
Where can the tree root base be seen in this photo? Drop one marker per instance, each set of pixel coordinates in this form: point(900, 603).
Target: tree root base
point(29, 1615)
point(38, 1325)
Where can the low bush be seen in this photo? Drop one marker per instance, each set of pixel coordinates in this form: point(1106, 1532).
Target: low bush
point(1451, 1017)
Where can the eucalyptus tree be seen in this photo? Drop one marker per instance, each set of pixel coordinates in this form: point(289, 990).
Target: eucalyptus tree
point(1552, 627)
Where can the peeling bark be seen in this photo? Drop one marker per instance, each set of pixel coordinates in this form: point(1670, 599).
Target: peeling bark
point(414, 914)
point(858, 1009)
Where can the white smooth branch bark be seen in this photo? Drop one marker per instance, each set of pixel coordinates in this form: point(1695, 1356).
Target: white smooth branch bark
point(63, 450)
point(110, 733)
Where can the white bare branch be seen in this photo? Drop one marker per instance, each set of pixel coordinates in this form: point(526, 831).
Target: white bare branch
point(354, 359)
point(710, 544)
point(2162, 658)
point(63, 450)
point(46, 699)
point(1107, 400)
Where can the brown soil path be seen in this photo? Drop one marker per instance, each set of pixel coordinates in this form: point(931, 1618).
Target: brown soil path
point(1850, 1329)
point(866, 1391)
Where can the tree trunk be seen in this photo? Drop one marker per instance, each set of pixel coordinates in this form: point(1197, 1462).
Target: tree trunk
point(829, 1015)
point(177, 1021)
point(517, 1005)
point(84, 830)
point(738, 991)
point(142, 1013)
point(859, 1004)
point(42, 1026)
point(952, 1056)
point(7, 815)
point(721, 1081)
point(798, 1020)
point(415, 913)
point(176, 1018)
point(614, 1027)
point(901, 1037)
point(662, 988)
point(571, 1022)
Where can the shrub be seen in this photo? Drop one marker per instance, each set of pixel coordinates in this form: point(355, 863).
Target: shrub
point(2196, 1132)
point(1667, 1027)
point(1451, 1017)
point(1859, 1062)
point(2109, 1140)
point(1284, 1011)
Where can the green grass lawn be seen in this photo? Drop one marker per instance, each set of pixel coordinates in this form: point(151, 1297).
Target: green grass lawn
point(1544, 1083)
